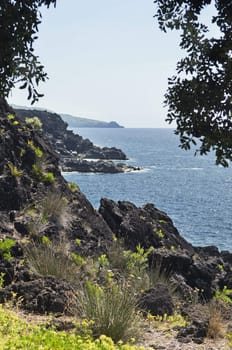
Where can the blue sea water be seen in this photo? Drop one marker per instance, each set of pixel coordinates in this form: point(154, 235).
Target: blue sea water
point(193, 191)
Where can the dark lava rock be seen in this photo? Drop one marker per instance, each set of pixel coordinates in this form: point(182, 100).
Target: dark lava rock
point(147, 226)
point(23, 190)
point(105, 153)
point(41, 295)
point(192, 268)
point(198, 323)
point(156, 301)
point(19, 192)
point(68, 144)
point(100, 166)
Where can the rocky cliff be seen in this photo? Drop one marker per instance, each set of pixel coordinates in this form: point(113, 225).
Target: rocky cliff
point(73, 148)
point(38, 208)
point(35, 200)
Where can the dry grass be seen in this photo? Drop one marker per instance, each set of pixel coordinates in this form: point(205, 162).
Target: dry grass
point(216, 328)
point(54, 208)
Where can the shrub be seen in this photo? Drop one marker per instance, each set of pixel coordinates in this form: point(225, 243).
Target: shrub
point(37, 150)
point(229, 337)
point(127, 261)
point(5, 248)
point(167, 322)
point(14, 170)
point(137, 262)
point(10, 117)
point(73, 187)
point(2, 275)
point(112, 310)
point(129, 265)
point(34, 122)
point(159, 233)
point(49, 177)
point(78, 260)
point(224, 295)
point(37, 171)
point(159, 275)
point(42, 175)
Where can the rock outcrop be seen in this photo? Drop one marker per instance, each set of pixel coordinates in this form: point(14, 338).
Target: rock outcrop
point(157, 301)
point(36, 201)
point(190, 268)
point(73, 149)
point(36, 204)
point(99, 166)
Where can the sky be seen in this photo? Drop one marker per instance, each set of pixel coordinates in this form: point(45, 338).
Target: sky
point(106, 60)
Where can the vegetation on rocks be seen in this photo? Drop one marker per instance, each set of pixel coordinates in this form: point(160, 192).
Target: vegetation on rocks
point(58, 254)
point(122, 268)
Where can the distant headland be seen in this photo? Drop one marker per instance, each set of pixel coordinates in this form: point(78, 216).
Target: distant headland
point(78, 122)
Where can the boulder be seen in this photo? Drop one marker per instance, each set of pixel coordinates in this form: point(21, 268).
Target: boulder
point(156, 301)
point(41, 295)
point(198, 323)
point(146, 226)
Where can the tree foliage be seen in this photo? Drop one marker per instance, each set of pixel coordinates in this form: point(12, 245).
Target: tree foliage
point(199, 96)
point(19, 21)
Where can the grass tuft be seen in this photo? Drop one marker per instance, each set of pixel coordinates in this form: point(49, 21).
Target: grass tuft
point(112, 310)
point(216, 328)
point(50, 259)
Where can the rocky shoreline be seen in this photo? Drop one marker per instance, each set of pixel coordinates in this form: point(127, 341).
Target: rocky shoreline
point(76, 152)
point(98, 166)
point(37, 204)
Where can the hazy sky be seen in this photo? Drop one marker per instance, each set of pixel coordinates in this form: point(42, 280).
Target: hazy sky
point(106, 60)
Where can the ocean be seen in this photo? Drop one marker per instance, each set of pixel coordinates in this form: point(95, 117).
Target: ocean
point(192, 190)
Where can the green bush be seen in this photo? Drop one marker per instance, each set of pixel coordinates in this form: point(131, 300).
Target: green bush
point(14, 170)
point(10, 117)
point(130, 266)
point(2, 275)
point(37, 171)
point(224, 295)
point(5, 248)
point(34, 122)
point(49, 177)
point(41, 175)
point(73, 187)
point(37, 150)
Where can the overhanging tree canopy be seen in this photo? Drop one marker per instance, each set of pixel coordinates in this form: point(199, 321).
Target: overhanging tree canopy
point(199, 96)
point(19, 20)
